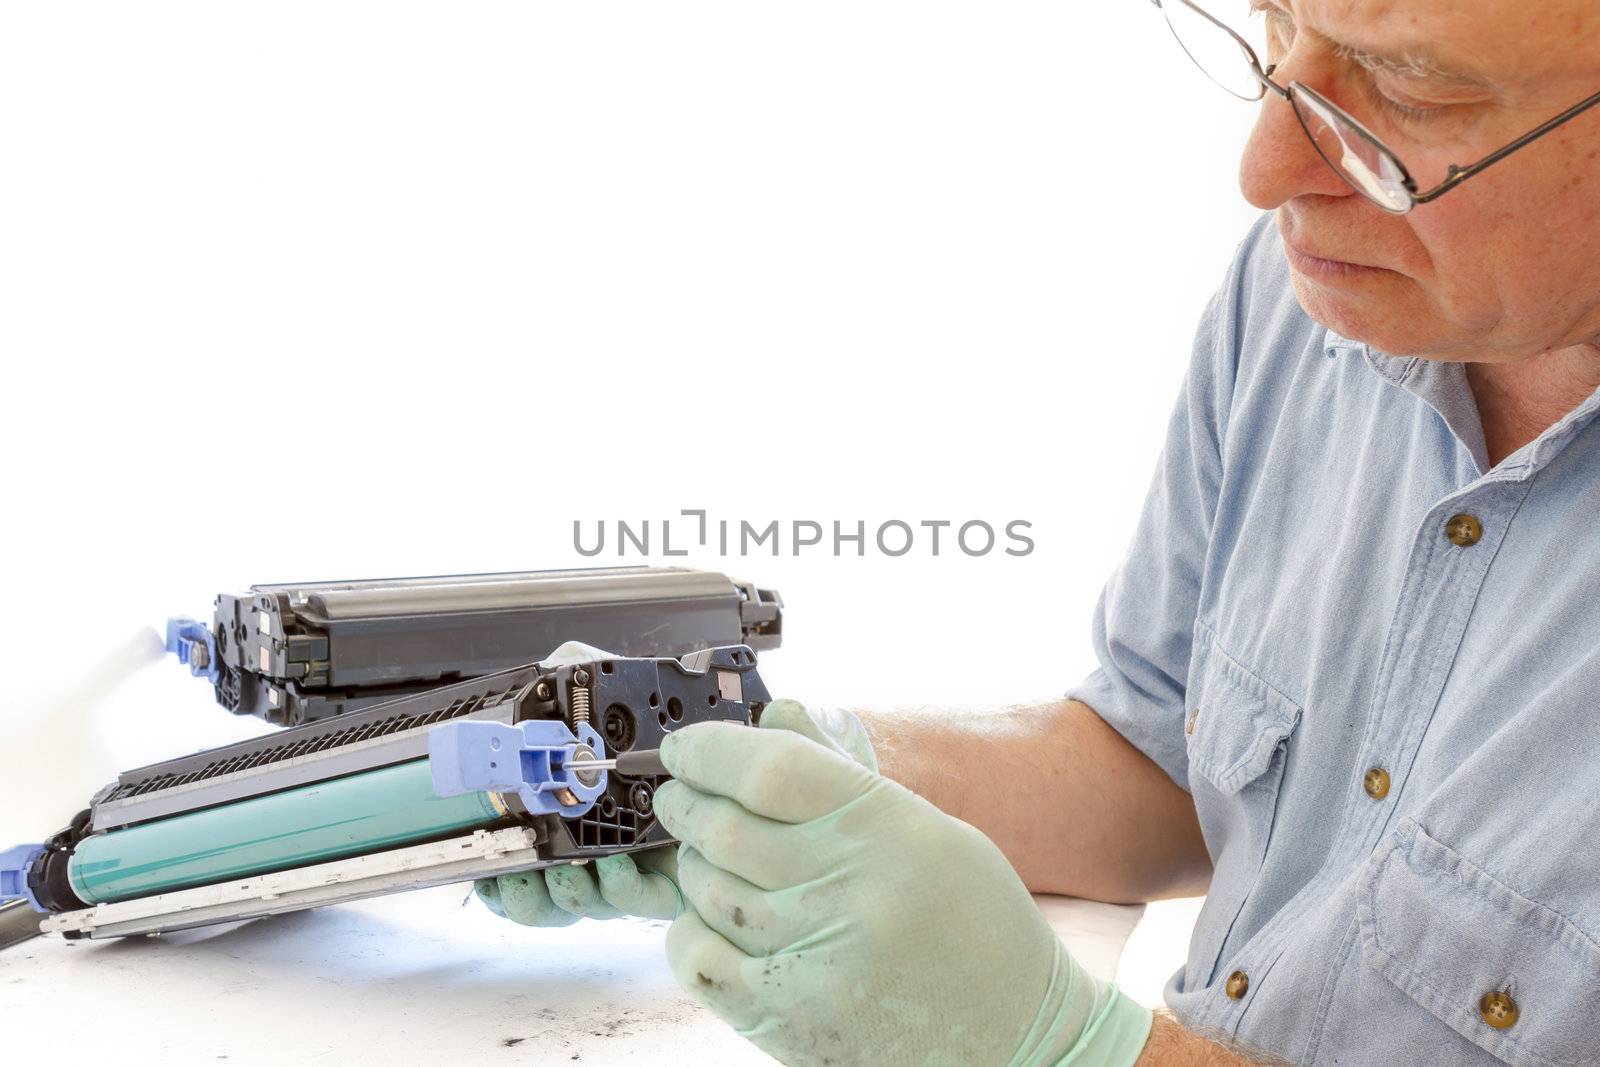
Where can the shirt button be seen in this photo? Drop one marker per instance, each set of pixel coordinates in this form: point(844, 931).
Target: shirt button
point(1376, 783)
point(1498, 1010)
point(1463, 530)
point(1239, 984)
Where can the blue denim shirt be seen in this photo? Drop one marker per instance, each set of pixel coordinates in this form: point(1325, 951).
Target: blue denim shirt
point(1295, 613)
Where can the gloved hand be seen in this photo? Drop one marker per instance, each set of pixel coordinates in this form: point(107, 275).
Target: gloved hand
point(643, 884)
point(836, 917)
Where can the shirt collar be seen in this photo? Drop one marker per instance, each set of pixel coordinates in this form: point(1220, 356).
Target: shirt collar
point(1396, 369)
point(1333, 343)
point(1444, 387)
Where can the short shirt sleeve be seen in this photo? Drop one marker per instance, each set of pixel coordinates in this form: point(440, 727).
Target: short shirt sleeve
point(1143, 627)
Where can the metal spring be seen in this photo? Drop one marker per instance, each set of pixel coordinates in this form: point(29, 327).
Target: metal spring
point(580, 705)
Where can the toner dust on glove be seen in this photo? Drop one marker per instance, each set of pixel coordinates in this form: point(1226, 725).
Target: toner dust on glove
point(835, 917)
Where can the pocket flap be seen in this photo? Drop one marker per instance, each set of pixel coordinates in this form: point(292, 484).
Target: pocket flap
point(1447, 933)
point(1236, 721)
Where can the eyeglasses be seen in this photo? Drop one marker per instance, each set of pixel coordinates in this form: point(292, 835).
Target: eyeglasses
point(1353, 151)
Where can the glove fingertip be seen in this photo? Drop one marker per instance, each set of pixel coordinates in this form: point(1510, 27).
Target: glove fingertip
point(617, 875)
point(662, 805)
point(488, 891)
point(781, 714)
point(566, 874)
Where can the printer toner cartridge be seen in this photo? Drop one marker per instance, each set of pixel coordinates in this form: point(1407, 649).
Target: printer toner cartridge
point(302, 652)
point(461, 782)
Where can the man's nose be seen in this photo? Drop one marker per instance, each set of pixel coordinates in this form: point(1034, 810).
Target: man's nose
point(1280, 162)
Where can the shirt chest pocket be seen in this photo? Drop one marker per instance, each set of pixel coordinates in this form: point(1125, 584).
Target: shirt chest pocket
point(1237, 732)
point(1515, 977)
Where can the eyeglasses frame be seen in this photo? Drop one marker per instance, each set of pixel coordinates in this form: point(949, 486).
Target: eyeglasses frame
point(1454, 174)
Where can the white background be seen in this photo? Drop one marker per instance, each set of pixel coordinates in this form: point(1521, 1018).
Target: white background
point(300, 291)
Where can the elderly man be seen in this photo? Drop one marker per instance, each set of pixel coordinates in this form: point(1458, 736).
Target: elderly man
point(1349, 674)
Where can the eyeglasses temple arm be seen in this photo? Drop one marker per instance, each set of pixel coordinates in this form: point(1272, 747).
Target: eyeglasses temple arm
point(1457, 175)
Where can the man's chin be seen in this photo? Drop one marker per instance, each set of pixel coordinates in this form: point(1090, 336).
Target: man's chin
point(1363, 317)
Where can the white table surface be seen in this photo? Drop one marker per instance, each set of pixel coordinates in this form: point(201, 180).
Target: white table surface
point(424, 977)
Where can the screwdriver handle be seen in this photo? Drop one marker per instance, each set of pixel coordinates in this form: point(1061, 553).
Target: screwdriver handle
point(644, 763)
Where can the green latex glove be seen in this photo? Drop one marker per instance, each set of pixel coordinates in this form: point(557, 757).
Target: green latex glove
point(640, 883)
point(644, 883)
point(836, 917)
point(832, 728)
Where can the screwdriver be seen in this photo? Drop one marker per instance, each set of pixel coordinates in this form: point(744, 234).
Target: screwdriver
point(645, 763)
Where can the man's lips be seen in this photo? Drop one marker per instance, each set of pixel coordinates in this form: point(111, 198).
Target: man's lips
point(1309, 262)
point(1324, 257)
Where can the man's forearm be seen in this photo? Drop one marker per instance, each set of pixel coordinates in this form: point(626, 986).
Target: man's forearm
point(1075, 808)
point(1170, 1045)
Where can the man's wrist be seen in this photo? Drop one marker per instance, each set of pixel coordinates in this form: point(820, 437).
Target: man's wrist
point(1117, 1037)
point(1170, 1045)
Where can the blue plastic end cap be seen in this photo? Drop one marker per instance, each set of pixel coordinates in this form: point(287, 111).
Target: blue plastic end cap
point(526, 758)
point(184, 637)
point(15, 863)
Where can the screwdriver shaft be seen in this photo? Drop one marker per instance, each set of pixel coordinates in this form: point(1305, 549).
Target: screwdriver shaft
point(645, 763)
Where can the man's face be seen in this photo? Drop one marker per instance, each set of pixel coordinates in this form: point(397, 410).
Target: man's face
point(1502, 268)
